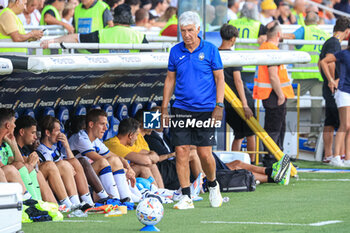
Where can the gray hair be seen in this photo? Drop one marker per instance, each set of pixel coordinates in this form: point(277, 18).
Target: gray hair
point(250, 10)
point(311, 18)
point(189, 17)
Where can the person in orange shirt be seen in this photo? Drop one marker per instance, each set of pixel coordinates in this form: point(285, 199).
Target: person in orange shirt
point(273, 87)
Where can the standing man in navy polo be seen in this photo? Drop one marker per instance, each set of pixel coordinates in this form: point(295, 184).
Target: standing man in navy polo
point(195, 75)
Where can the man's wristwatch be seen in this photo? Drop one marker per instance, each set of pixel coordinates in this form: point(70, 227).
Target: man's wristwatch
point(221, 105)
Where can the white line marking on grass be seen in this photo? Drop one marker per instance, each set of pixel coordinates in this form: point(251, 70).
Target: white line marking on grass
point(101, 221)
point(317, 170)
point(334, 180)
point(317, 224)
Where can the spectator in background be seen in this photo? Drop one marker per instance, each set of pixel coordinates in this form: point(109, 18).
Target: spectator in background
point(113, 4)
point(233, 9)
point(268, 12)
point(329, 17)
point(299, 11)
point(209, 18)
point(285, 15)
point(344, 6)
point(141, 18)
point(52, 14)
point(158, 8)
point(68, 13)
point(75, 3)
point(92, 15)
point(168, 14)
point(249, 27)
point(11, 28)
point(314, 8)
point(121, 33)
point(310, 82)
point(170, 28)
point(146, 4)
point(41, 5)
point(31, 16)
point(134, 5)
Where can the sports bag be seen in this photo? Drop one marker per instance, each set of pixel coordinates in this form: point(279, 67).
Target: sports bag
point(235, 180)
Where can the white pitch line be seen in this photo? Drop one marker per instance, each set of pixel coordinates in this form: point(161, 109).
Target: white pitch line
point(317, 224)
point(334, 180)
point(99, 221)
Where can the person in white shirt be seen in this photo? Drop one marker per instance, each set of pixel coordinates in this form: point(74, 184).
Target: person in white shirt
point(158, 8)
point(109, 167)
point(31, 16)
point(232, 9)
point(54, 147)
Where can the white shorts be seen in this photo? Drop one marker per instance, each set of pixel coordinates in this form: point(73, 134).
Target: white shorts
point(342, 99)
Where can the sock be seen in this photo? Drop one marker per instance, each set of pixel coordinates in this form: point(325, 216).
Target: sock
point(122, 184)
point(186, 191)
point(135, 194)
point(74, 199)
point(211, 183)
point(27, 182)
point(87, 198)
point(66, 202)
point(108, 182)
point(26, 195)
point(268, 171)
point(270, 180)
point(102, 194)
point(36, 186)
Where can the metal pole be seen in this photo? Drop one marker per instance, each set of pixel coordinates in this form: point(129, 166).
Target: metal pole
point(298, 118)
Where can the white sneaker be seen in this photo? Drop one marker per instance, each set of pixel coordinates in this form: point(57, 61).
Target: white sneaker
point(184, 203)
point(336, 161)
point(215, 197)
point(346, 163)
point(177, 195)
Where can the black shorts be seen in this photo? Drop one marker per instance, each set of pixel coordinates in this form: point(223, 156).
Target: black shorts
point(187, 134)
point(332, 115)
point(239, 126)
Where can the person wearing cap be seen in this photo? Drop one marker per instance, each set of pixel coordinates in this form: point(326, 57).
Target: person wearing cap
point(119, 34)
point(92, 15)
point(310, 81)
point(268, 8)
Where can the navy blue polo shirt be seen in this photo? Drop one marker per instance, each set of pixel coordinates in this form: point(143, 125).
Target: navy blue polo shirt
point(344, 81)
point(195, 88)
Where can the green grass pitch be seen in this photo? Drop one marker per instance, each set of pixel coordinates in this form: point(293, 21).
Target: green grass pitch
point(313, 198)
